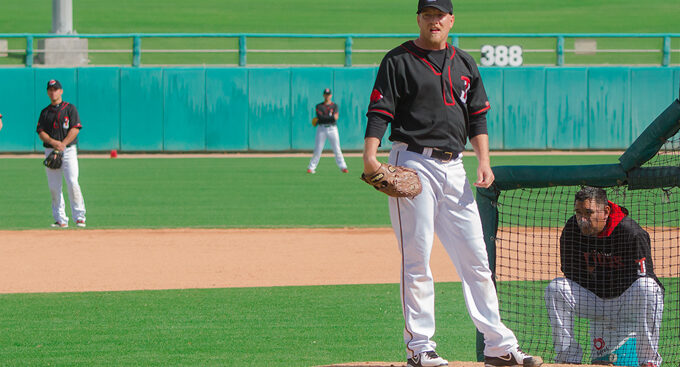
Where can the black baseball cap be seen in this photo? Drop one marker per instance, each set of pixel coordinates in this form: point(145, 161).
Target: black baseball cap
point(443, 5)
point(54, 83)
point(327, 91)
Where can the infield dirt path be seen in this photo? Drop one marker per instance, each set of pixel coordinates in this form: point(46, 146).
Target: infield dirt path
point(73, 260)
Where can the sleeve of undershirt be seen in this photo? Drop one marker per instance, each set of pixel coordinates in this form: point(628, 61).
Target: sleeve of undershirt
point(376, 125)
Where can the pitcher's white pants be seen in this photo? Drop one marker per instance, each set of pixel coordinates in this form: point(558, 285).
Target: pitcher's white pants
point(445, 206)
point(69, 169)
point(639, 309)
point(329, 132)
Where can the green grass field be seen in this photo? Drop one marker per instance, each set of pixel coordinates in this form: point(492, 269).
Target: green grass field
point(280, 326)
point(216, 192)
point(304, 16)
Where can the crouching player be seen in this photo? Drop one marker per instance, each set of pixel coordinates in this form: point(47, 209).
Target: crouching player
point(609, 279)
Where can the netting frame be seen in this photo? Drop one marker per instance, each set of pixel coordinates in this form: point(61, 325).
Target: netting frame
point(628, 172)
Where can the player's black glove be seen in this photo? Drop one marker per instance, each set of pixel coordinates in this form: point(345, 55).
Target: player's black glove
point(54, 159)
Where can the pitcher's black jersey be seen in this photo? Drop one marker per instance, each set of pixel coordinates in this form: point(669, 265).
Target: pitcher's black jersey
point(428, 103)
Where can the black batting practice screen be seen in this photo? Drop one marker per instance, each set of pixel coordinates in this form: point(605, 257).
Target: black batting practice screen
point(607, 298)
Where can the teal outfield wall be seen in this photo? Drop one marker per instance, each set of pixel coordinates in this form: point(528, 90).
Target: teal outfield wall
point(269, 109)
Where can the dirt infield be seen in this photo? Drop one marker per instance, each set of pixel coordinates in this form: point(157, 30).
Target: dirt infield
point(74, 260)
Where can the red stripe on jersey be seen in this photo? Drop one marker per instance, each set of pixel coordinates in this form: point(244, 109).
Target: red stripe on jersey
point(450, 91)
point(422, 59)
point(438, 74)
point(381, 111)
point(480, 111)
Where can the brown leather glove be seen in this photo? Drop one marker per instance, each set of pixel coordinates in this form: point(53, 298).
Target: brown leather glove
point(394, 181)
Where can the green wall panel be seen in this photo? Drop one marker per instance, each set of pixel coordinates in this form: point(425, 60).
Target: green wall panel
point(184, 109)
point(226, 111)
point(651, 91)
point(306, 93)
point(353, 89)
point(609, 108)
point(19, 111)
point(524, 115)
point(141, 109)
point(99, 108)
point(269, 109)
point(493, 84)
point(566, 106)
point(68, 78)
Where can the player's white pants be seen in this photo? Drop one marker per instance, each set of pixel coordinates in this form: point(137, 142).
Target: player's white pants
point(638, 310)
point(445, 206)
point(69, 170)
point(329, 132)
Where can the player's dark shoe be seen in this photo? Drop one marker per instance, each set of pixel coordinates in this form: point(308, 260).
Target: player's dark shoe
point(344, 170)
point(59, 225)
point(429, 358)
point(515, 358)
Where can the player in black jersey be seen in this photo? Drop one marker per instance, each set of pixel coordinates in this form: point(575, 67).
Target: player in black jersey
point(58, 128)
point(609, 278)
point(432, 96)
point(327, 128)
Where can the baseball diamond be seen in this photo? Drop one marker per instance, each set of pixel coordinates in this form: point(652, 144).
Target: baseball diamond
point(221, 231)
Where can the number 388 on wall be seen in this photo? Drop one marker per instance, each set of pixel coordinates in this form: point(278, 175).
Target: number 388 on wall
point(501, 55)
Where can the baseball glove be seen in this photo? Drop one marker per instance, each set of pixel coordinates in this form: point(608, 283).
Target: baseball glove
point(315, 121)
point(54, 159)
point(394, 181)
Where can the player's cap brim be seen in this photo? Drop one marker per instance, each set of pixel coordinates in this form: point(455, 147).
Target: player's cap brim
point(450, 11)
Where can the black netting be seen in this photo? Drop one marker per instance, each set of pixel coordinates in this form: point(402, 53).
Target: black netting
point(530, 224)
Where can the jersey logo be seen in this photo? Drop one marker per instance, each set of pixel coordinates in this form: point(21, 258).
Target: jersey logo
point(376, 96)
point(65, 124)
point(642, 271)
point(464, 93)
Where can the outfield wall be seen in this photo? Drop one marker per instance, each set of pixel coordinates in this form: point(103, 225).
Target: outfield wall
point(269, 109)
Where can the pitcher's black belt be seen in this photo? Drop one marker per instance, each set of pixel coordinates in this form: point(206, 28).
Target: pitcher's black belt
point(442, 155)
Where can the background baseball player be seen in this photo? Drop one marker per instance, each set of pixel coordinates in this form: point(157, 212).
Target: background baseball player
point(609, 278)
point(58, 128)
point(326, 127)
point(433, 96)
point(0, 121)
